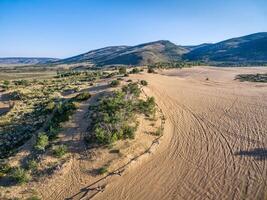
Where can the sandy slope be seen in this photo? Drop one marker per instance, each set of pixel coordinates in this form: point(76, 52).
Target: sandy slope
point(215, 142)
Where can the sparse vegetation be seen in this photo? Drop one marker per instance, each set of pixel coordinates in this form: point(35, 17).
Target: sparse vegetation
point(114, 117)
point(33, 198)
point(252, 77)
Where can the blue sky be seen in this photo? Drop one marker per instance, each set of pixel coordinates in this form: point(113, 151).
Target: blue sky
point(62, 28)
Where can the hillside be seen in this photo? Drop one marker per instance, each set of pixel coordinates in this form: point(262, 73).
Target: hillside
point(26, 60)
point(250, 48)
point(159, 51)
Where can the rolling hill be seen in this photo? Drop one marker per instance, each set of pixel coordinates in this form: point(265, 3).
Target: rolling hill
point(250, 48)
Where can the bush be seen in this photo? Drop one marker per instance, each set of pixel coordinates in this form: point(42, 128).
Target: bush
point(150, 70)
point(82, 96)
point(50, 106)
point(5, 168)
point(32, 165)
point(20, 175)
point(42, 142)
point(102, 170)
point(129, 132)
point(147, 107)
point(115, 83)
point(60, 151)
point(135, 71)
point(144, 83)
point(132, 88)
point(123, 70)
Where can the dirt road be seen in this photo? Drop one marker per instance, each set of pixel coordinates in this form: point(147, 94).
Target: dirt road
point(215, 142)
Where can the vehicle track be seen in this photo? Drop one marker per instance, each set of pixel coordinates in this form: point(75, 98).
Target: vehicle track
point(208, 125)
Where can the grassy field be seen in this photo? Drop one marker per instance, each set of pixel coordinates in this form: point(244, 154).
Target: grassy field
point(26, 75)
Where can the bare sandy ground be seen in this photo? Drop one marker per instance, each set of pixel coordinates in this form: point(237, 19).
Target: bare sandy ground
point(215, 139)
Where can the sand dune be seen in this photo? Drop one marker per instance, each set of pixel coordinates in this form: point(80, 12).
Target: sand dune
point(215, 144)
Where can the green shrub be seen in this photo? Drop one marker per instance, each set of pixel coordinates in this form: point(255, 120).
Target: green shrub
point(50, 106)
point(6, 83)
point(122, 70)
point(147, 107)
point(32, 165)
point(132, 88)
point(19, 175)
point(102, 170)
point(135, 71)
point(22, 82)
point(101, 135)
point(159, 131)
point(144, 82)
point(129, 132)
point(115, 83)
point(60, 151)
point(113, 118)
point(4, 168)
point(82, 96)
point(42, 142)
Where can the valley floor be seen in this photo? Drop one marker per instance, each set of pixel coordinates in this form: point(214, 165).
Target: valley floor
point(215, 144)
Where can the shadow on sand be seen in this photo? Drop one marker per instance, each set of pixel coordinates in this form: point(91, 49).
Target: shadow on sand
point(257, 153)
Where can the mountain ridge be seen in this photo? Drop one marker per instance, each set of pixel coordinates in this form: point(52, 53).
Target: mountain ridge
point(248, 48)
